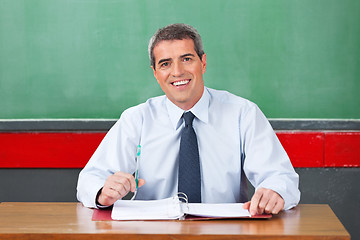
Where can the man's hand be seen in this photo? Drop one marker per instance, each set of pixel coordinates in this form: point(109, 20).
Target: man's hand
point(117, 186)
point(265, 201)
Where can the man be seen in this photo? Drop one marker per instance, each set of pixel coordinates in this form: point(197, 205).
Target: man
point(234, 139)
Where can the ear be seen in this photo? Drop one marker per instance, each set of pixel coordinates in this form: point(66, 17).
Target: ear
point(155, 73)
point(203, 63)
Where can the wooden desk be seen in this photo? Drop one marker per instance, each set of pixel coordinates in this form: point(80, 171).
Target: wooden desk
point(73, 221)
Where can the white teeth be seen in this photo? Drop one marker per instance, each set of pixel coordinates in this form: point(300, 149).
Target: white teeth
point(182, 82)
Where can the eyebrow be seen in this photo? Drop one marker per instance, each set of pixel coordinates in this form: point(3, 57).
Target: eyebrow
point(187, 55)
point(182, 56)
point(164, 60)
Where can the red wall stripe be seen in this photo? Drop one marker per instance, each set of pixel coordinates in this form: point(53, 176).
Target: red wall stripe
point(342, 149)
point(73, 150)
point(305, 149)
point(47, 150)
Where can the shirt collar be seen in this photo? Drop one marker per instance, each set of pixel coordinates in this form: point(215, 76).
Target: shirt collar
point(200, 110)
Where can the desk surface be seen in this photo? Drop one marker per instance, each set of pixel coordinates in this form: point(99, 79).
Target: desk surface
point(73, 221)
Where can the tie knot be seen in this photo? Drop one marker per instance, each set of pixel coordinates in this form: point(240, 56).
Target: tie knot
point(188, 117)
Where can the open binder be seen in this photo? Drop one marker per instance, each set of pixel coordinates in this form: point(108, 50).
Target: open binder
point(177, 207)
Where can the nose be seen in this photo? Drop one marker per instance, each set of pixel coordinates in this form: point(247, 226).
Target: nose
point(178, 69)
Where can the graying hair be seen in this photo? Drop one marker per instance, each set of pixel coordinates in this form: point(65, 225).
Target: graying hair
point(177, 31)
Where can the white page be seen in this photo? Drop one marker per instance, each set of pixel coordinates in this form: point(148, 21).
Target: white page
point(215, 209)
point(168, 208)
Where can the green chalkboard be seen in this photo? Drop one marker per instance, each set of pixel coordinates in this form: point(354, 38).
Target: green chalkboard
point(88, 58)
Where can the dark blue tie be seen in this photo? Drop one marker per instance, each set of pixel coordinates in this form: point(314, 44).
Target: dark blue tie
point(189, 165)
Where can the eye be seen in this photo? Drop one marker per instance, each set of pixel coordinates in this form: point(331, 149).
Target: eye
point(187, 59)
point(164, 65)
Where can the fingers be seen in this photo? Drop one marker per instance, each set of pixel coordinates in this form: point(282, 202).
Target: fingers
point(279, 206)
point(265, 201)
point(121, 182)
point(141, 182)
point(117, 186)
point(246, 205)
point(254, 204)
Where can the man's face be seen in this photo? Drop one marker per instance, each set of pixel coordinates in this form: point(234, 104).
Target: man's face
point(179, 71)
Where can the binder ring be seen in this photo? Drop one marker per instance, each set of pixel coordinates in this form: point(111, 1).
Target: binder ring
point(183, 197)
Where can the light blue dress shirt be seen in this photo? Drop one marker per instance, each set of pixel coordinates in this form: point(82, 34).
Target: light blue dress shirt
point(235, 141)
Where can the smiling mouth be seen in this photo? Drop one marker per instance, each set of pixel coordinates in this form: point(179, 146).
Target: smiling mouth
point(180, 83)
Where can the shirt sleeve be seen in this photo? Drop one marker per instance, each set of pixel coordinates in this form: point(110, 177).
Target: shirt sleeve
point(116, 152)
point(266, 164)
